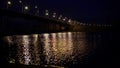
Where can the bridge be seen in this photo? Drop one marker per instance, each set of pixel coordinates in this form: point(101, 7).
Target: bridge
point(14, 23)
point(20, 23)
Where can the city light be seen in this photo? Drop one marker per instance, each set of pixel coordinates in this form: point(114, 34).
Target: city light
point(64, 18)
point(36, 10)
point(69, 20)
point(36, 7)
point(46, 12)
point(20, 1)
point(9, 2)
point(54, 15)
point(26, 8)
point(60, 17)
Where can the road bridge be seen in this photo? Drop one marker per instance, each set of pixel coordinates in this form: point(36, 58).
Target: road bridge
point(20, 23)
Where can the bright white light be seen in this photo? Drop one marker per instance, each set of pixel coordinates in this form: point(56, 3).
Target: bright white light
point(46, 14)
point(9, 2)
point(26, 8)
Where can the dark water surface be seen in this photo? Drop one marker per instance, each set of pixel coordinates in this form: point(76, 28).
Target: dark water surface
point(65, 49)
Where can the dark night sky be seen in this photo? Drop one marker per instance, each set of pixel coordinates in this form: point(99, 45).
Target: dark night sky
point(100, 11)
point(84, 10)
point(88, 11)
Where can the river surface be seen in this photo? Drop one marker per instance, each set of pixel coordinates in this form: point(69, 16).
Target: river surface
point(61, 49)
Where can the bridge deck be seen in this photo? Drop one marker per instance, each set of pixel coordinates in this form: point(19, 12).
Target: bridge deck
point(19, 23)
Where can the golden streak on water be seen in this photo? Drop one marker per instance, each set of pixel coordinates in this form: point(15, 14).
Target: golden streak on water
point(57, 47)
point(47, 47)
point(26, 49)
point(36, 49)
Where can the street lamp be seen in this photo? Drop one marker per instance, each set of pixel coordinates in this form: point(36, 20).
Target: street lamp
point(20, 1)
point(36, 7)
point(54, 15)
point(26, 8)
point(36, 10)
point(8, 3)
point(64, 18)
point(60, 17)
point(69, 20)
point(46, 12)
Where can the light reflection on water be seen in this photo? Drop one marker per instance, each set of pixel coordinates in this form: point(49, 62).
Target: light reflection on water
point(48, 48)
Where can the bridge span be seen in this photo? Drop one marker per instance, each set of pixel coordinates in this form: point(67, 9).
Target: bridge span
point(20, 37)
point(19, 23)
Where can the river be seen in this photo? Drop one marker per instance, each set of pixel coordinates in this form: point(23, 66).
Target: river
point(64, 49)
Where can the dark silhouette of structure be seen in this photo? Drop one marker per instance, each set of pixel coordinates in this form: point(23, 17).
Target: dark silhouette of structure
point(15, 23)
point(19, 23)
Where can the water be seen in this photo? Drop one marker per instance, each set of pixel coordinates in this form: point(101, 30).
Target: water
point(60, 49)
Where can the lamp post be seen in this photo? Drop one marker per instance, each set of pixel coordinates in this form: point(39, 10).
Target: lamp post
point(20, 1)
point(46, 13)
point(36, 7)
point(54, 15)
point(60, 17)
point(8, 4)
point(69, 20)
point(26, 8)
point(64, 18)
point(36, 10)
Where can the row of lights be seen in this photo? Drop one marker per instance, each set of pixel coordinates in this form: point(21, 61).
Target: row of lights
point(25, 8)
point(9, 3)
point(73, 22)
point(60, 18)
point(87, 24)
